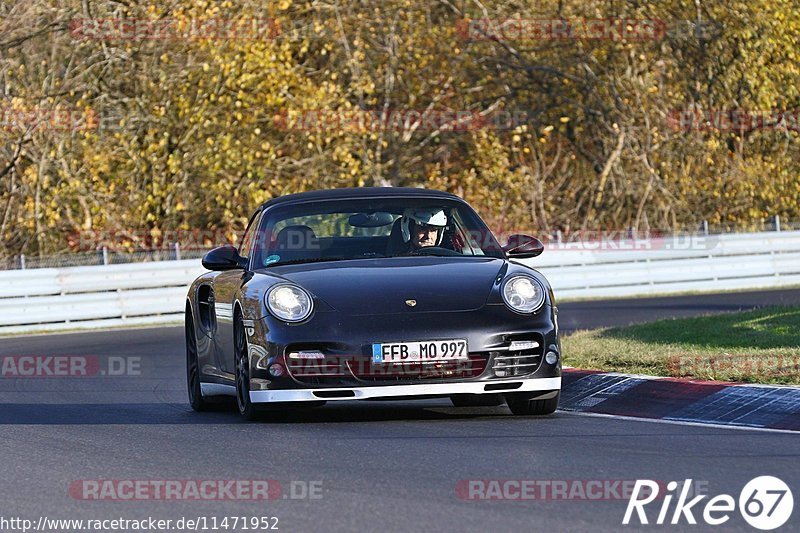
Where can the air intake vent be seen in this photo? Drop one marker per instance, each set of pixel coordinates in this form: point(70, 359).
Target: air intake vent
point(334, 394)
point(517, 362)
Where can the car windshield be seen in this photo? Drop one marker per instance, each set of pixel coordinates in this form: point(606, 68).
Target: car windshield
point(371, 228)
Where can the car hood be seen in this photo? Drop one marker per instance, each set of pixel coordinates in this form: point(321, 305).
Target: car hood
point(383, 286)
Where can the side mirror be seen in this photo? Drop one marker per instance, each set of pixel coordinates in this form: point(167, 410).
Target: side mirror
point(224, 258)
point(523, 246)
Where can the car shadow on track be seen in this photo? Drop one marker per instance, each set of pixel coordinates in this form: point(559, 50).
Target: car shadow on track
point(225, 413)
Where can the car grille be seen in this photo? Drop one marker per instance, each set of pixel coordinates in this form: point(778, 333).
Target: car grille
point(336, 369)
point(514, 363)
point(367, 371)
point(340, 368)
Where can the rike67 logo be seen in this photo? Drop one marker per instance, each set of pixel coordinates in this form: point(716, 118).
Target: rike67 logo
point(765, 503)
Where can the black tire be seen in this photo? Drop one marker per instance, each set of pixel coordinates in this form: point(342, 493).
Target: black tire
point(525, 404)
point(247, 409)
point(196, 399)
point(476, 400)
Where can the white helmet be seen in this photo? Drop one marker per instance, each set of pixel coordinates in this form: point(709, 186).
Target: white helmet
point(424, 217)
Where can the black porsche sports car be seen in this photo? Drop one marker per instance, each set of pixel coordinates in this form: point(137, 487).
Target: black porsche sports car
point(372, 293)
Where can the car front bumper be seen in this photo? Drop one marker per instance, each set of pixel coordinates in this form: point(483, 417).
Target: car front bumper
point(545, 385)
point(488, 331)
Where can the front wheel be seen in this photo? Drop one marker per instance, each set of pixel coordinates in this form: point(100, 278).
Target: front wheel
point(247, 408)
point(528, 404)
point(196, 399)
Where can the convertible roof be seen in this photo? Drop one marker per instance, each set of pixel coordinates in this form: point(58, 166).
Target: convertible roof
point(358, 192)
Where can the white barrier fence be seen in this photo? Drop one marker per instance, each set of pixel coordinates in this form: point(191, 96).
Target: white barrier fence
point(671, 265)
point(94, 296)
point(137, 293)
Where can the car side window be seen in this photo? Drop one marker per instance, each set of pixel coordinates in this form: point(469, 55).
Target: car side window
point(464, 240)
point(245, 248)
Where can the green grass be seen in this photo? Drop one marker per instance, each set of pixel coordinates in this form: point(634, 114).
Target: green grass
point(759, 346)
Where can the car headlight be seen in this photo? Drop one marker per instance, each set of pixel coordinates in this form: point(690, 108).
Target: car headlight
point(289, 302)
point(523, 294)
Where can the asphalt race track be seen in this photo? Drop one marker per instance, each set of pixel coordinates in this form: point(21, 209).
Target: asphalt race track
point(596, 314)
point(370, 466)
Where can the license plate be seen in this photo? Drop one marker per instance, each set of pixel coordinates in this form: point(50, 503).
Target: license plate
point(400, 352)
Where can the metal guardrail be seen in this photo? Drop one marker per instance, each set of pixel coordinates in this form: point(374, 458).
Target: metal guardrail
point(55, 299)
point(101, 256)
point(671, 265)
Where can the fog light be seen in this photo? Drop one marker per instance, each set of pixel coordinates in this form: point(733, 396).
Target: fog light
point(523, 345)
point(551, 358)
point(276, 370)
point(307, 354)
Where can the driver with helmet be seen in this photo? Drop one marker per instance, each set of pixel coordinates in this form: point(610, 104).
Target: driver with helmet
point(423, 227)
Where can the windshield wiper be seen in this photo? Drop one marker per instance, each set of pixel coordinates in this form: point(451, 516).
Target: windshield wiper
point(434, 251)
point(308, 260)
